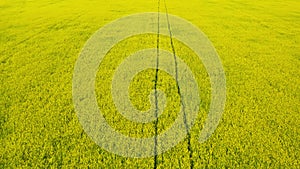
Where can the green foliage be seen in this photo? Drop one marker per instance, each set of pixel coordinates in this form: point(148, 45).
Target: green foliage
point(258, 43)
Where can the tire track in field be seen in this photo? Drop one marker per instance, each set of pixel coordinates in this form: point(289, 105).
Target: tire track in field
point(178, 90)
point(155, 88)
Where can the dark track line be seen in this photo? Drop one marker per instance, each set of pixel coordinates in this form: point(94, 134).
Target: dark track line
point(155, 87)
point(178, 90)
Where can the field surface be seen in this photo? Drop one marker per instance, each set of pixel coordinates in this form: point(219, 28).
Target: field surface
point(258, 44)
